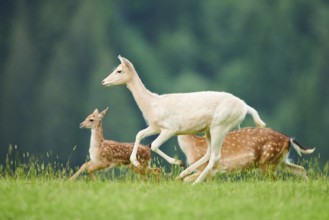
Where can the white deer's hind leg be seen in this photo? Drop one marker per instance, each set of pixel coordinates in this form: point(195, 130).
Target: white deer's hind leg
point(164, 136)
point(140, 135)
point(217, 137)
point(197, 164)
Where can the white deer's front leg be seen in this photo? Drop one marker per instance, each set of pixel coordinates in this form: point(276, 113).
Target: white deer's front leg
point(140, 135)
point(198, 163)
point(164, 136)
point(194, 166)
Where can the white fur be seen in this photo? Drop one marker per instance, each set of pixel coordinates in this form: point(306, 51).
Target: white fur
point(214, 113)
point(94, 145)
point(300, 150)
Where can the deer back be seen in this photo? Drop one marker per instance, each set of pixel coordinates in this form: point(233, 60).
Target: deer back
point(250, 147)
point(117, 151)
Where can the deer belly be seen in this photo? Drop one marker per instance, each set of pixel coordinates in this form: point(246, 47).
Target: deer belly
point(237, 162)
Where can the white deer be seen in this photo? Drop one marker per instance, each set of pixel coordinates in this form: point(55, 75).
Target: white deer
point(214, 113)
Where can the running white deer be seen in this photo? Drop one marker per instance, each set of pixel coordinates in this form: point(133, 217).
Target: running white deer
point(214, 113)
point(108, 154)
point(245, 149)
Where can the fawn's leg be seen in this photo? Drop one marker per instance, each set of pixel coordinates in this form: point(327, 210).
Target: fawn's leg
point(145, 169)
point(155, 172)
point(82, 168)
point(97, 166)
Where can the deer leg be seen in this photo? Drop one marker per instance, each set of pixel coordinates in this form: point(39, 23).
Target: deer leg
point(82, 168)
point(141, 169)
point(295, 169)
point(155, 172)
point(140, 135)
point(164, 136)
point(192, 177)
point(198, 163)
point(217, 135)
point(97, 166)
point(145, 169)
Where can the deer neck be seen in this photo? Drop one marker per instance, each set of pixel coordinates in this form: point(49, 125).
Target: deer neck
point(96, 141)
point(143, 97)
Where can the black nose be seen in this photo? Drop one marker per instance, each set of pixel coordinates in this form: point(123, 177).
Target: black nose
point(103, 81)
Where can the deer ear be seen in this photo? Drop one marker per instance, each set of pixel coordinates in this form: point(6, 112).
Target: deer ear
point(125, 61)
point(96, 110)
point(121, 59)
point(104, 112)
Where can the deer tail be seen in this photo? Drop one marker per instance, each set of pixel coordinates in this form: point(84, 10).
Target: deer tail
point(258, 121)
point(300, 149)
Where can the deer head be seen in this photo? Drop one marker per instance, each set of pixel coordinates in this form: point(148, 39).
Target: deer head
point(121, 75)
point(94, 119)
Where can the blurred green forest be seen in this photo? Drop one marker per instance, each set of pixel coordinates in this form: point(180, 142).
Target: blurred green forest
point(54, 55)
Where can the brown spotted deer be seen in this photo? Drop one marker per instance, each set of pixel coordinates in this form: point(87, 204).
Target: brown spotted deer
point(244, 149)
point(106, 154)
point(214, 113)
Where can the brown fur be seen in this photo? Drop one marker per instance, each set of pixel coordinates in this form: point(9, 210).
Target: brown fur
point(243, 149)
point(108, 154)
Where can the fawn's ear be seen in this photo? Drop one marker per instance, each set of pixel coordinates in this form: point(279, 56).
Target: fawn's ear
point(96, 110)
point(125, 61)
point(103, 112)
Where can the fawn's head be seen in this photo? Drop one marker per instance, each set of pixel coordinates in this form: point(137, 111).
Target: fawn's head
point(121, 75)
point(94, 119)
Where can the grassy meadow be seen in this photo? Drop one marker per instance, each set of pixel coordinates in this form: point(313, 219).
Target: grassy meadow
point(37, 190)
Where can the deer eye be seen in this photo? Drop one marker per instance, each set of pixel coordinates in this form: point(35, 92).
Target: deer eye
point(119, 71)
point(91, 120)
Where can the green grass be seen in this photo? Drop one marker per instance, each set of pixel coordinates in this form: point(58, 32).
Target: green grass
point(60, 199)
point(38, 190)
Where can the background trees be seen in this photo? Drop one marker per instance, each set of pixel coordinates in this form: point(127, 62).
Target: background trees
point(273, 54)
